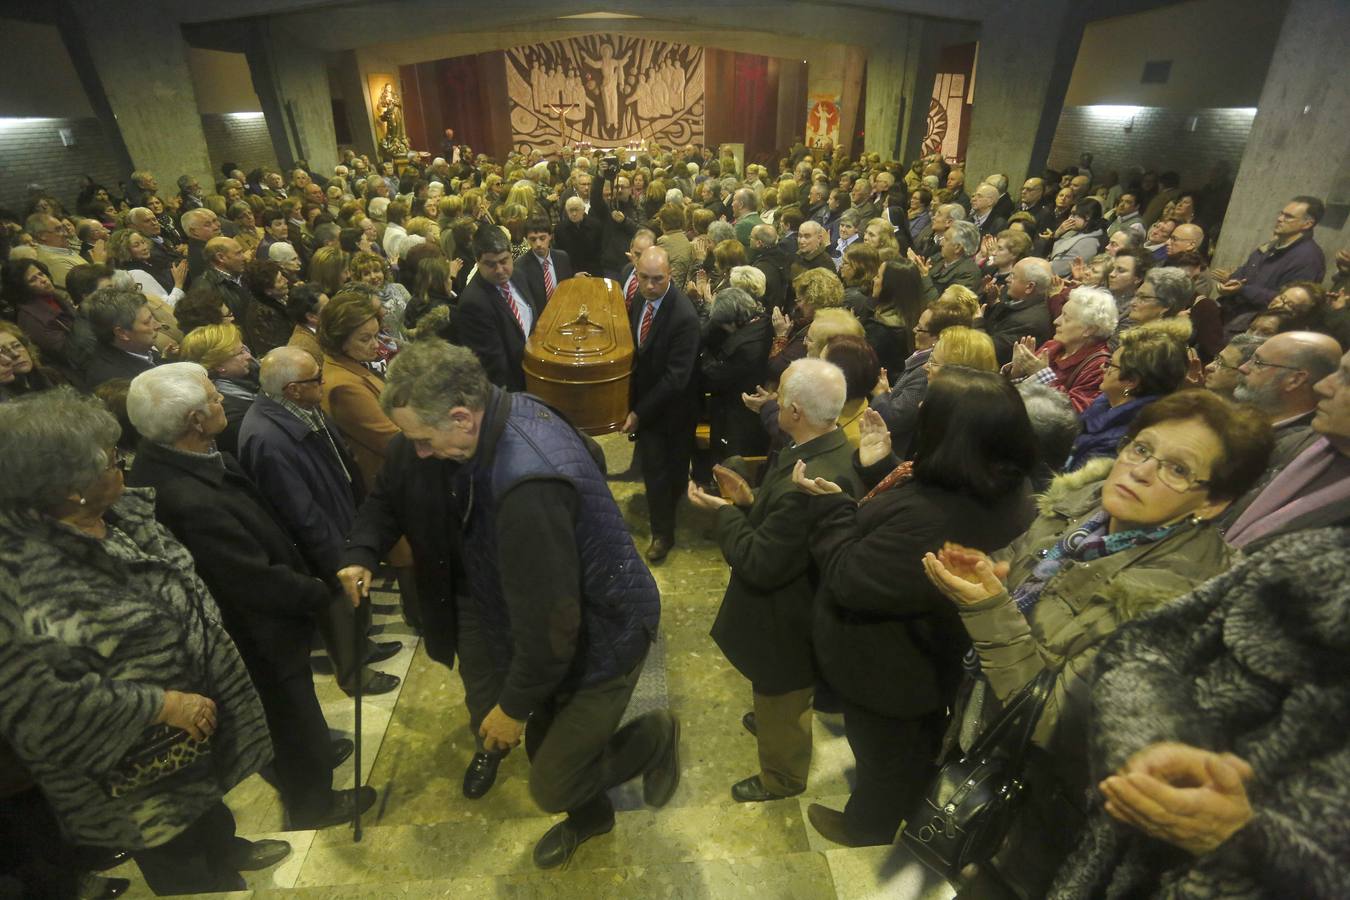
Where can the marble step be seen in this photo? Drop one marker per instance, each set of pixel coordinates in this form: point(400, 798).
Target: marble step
point(795, 876)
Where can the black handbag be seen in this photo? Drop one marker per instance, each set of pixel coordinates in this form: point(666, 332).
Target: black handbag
point(968, 807)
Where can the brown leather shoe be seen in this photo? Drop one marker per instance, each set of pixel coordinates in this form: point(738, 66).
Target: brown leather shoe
point(658, 549)
point(831, 826)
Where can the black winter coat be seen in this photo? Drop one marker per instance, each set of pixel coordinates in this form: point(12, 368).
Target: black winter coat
point(885, 638)
point(253, 569)
point(737, 365)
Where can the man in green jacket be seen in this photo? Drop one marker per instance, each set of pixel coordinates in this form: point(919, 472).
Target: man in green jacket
point(764, 625)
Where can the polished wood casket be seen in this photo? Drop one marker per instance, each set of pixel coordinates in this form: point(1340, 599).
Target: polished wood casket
point(579, 358)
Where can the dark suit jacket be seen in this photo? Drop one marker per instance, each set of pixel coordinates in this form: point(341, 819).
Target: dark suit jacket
point(267, 597)
point(108, 363)
point(240, 297)
point(581, 241)
point(529, 267)
point(487, 327)
point(196, 260)
point(664, 381)
point(993, 225)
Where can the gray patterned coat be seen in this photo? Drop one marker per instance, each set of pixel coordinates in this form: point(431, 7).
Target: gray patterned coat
point(1253, 662)
point(91, 635)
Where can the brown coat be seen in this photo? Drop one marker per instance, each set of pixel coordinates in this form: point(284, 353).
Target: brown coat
point(351, 395)
point(303, 338)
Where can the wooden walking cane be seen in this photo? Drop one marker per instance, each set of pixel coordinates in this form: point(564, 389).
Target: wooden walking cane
point(360, 657)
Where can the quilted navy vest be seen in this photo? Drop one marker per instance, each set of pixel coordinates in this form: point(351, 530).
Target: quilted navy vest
point(620, 605)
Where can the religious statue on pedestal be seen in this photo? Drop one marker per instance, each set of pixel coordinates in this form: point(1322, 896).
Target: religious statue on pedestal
point(389, 110)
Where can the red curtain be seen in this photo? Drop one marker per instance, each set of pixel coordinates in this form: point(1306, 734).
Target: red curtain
point(741, 100)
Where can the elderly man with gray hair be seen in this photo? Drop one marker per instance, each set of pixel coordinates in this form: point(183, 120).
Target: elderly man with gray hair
point(541, 574)
point(734, 360)
point(125, 329)
point(267, 596)
point(764, 624)
point(956, 262)
point(296, 456)
point(1021, 310)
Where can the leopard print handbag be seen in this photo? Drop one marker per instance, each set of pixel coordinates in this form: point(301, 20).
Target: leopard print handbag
point(163, 752)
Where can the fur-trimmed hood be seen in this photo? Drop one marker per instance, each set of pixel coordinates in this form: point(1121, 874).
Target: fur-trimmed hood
point(1066, 492)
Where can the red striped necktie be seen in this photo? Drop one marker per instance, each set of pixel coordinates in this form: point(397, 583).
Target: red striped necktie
point(631, 292)
point(646, 327)
point(549, 283)
point(511, 305)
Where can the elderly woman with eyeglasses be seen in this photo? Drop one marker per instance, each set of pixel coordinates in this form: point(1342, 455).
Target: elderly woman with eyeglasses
point(107, 633)
point(220, 349)
point(1113, 542)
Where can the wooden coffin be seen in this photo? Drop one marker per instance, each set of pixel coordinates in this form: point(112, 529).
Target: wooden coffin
point(579, 358)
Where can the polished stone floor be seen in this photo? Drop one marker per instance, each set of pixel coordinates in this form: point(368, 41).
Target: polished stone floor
point(423, 839)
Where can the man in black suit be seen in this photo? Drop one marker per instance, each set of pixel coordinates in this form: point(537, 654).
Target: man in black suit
point(982, 211)
point(497, 311)
point(225, 263)
point(665, 402)
point(125, 330)
point(267, 597)
point(543, 268)
point(628, 279)
point(200, 226)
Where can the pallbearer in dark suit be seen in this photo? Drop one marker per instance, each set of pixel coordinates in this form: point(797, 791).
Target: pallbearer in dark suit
point(497, 311)
point(542, 267)
point(665, 402)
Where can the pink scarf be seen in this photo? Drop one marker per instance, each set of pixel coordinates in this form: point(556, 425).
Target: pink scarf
point(1317, 478)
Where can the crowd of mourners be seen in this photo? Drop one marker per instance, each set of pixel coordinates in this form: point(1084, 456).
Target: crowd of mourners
point(956, 435)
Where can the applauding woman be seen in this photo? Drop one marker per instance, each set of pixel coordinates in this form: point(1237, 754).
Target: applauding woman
point(885, 640)
point(1113, 542)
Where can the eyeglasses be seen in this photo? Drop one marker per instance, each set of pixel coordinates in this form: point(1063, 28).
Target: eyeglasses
point(317, 379)
point(1173, 475)
point(918, 330)
point(1260, 363)
point(1110, 365)
point(1218, 363)
point(117, 460)
point(12, 350)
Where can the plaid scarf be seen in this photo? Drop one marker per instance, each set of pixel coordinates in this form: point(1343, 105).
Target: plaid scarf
point(1085, 543)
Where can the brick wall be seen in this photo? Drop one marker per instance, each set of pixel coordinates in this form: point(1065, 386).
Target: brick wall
point(31, 152)
point(240, 138)
point(1160, 139)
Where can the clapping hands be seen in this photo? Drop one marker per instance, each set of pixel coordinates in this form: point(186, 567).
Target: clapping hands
point(1188, 797)
point(1026, 361)
point(874, 442)
point(964, 575)
point(755, 402)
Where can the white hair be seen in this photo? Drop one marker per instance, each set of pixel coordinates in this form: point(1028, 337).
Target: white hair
point(816, 386)
point(1000, 182)
point(160, 400)
point(748, 279)
point(955, 211)
point(674, 195)
point(376, 208)
point(281, 251)
point(1095, 310)
point(692, 168)
point(965, 234)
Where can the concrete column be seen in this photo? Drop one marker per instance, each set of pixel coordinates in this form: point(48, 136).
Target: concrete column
point(1297, 143)
point(145, 98)
point(291, 80)
point(855, 62)
point(356, 97)
point(1022, 72)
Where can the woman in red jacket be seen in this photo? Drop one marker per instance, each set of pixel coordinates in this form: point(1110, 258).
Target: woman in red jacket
point(1073, 360)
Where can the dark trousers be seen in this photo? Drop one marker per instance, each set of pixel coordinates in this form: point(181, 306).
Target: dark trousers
point(194, 862)
point(895, 759)
point(35, 860)
point(665, 472)
point(299, 737)
point(482, 674)
point(576, 755)
point(339, 624)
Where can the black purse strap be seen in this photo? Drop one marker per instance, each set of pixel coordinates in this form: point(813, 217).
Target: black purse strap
point(1010, 734)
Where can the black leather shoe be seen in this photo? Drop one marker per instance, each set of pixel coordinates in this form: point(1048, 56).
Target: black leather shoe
point(659, 549)
point(250, 856)
point(96, 887)
point(481, 774)
point(748, 723)
point(379, 652)
point(752, 790)
point(660, 781)
point(558, 844)
point(341, 748)
point(831, 825)
point(378, 683)
point(340, 810)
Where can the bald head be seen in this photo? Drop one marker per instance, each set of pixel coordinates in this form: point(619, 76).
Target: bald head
point(653, 273)
point(1279, 377)
point(284, 367)
point(225, 254)
point(811, 238)
point(763, 236)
